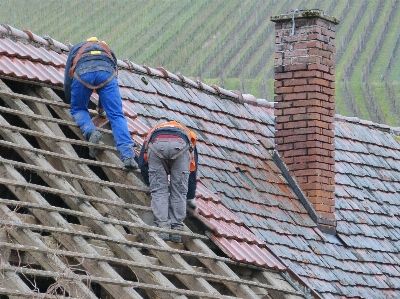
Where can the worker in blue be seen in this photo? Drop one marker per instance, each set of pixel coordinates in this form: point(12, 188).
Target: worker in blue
point(91, 65)
point(169, 150)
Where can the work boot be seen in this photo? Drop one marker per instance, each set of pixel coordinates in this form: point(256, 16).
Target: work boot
point(130, 163)
point(164, 236)
point(176, 238)
point(94, 136)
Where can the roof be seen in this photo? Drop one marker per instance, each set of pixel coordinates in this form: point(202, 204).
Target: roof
point(239, 165)
point(89, 219)
point(243, 193)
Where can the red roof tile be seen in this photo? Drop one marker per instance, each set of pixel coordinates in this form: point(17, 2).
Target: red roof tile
point(251, 253)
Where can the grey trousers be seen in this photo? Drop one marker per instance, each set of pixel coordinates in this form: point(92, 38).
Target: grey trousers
point(168, 201)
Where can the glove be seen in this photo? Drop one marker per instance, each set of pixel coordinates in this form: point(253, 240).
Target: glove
point(191, 204)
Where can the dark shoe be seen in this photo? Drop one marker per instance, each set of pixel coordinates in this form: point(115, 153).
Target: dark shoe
point(176, 238)
point(130, 163)
point(164, 236)
point(94, 137)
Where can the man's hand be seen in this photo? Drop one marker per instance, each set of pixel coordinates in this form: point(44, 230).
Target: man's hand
point(192, 205)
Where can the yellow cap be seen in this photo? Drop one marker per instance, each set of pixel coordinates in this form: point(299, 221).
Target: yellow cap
point(92, 39)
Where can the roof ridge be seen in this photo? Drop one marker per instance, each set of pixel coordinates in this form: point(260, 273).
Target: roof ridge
point(235, 95)
point(26, 36)
point(369, 123)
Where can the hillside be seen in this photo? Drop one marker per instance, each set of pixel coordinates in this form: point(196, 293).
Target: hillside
point(231, 42)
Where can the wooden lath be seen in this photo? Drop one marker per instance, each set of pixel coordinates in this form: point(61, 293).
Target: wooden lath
point(51, 262)
point(124, 283)
point(55, 182)
point(62, 108)
point(77, 243)
point(168, 270)
point(70, 242)
point(15, 293)
point(103, 219)
point(54, 155)
point(87, 198)
point(88, 235)
point(55, 138)
point(46, 171)
point(117, 214)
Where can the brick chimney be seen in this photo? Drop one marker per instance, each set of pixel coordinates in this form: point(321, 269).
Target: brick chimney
point(305, 107)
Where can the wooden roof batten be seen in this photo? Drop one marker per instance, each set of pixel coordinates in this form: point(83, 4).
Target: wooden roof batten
point(76, 181)
point(97, 236)
point(211, 277)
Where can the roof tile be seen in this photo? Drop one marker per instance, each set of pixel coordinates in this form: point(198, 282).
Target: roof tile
point(241, 252)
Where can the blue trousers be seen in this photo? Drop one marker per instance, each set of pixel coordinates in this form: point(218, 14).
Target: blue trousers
point(111, 101)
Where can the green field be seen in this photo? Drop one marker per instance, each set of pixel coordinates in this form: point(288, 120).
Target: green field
point(231, 42)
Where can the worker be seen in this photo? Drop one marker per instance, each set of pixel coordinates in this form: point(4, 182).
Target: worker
point(170, 149)
point(91, 65)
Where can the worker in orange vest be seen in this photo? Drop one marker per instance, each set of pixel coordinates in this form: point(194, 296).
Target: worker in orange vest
point(170, 149)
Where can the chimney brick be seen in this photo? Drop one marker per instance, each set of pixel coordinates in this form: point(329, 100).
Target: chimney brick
point(305, 105)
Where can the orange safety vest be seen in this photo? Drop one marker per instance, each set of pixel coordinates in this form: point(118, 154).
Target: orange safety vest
point(174, 124)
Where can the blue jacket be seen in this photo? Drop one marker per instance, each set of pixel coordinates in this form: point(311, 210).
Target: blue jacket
point(144, 166)
point(86, 64)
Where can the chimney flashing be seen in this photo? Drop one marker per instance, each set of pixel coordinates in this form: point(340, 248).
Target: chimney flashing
point(327, 226)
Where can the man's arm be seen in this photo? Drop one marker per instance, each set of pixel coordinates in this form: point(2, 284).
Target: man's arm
point(193, 178)
point(144, 166)
point(67, 79)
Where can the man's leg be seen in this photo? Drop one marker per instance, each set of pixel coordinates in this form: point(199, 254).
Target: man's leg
point(80, 96)
point(159, 188)
point(179, 178)
point(111, 100)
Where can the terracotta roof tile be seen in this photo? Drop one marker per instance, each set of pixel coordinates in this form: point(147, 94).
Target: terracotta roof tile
point(241, 252)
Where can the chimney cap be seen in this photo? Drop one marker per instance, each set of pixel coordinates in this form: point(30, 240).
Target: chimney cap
point(303, 14)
